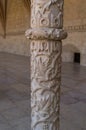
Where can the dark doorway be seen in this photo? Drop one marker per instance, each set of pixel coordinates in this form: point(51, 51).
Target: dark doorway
point(76, 57)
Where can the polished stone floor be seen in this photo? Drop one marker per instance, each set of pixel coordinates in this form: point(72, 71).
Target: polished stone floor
point(15, 94)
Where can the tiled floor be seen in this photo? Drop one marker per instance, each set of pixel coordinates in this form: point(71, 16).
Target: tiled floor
point(15, 94)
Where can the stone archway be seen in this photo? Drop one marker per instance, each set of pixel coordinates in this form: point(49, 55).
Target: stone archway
point(68, 52)
point(45, 36)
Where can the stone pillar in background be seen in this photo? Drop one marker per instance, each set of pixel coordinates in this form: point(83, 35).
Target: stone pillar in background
point(45, 37)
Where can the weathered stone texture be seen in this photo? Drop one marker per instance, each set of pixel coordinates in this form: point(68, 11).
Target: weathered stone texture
point(45, 36)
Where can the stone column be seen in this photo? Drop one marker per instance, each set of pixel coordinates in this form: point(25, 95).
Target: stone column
point(45, 37)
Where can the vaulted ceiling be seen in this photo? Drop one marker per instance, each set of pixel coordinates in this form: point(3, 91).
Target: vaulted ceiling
point(3, 11)
point(15, 14)
point(3, 8)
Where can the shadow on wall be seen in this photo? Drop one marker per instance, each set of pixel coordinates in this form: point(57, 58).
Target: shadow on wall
point(70, 53)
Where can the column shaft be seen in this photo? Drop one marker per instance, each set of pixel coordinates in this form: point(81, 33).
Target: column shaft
point(45, 84)
point(45, 36)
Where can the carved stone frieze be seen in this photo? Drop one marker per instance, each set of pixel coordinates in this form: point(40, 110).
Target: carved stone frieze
point(76, 28)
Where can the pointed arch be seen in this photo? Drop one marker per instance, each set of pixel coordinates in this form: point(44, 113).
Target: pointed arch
point(27, 4)
point(3, 11)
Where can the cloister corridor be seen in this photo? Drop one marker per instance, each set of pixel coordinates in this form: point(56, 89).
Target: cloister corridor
point(15, 94)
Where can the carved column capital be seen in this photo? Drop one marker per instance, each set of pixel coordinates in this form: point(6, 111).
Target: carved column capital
point(46, 20)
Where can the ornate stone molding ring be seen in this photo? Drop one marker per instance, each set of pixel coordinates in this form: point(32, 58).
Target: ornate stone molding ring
point(46, 33)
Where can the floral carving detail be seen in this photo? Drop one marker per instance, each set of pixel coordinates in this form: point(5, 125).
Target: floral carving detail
point(45, 35)
point(45, 84)
point(42, 9)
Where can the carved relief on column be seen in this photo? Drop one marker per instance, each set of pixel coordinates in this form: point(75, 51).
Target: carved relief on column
point(46, 20)
point(47, 13)
point(45, 36)
point(45, 84)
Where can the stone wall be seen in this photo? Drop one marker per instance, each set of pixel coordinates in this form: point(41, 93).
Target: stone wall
point(75, 24)
point(74, 12)
point(18, 20)
point(18, 17)
point(15, 44)
point(75, 43)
